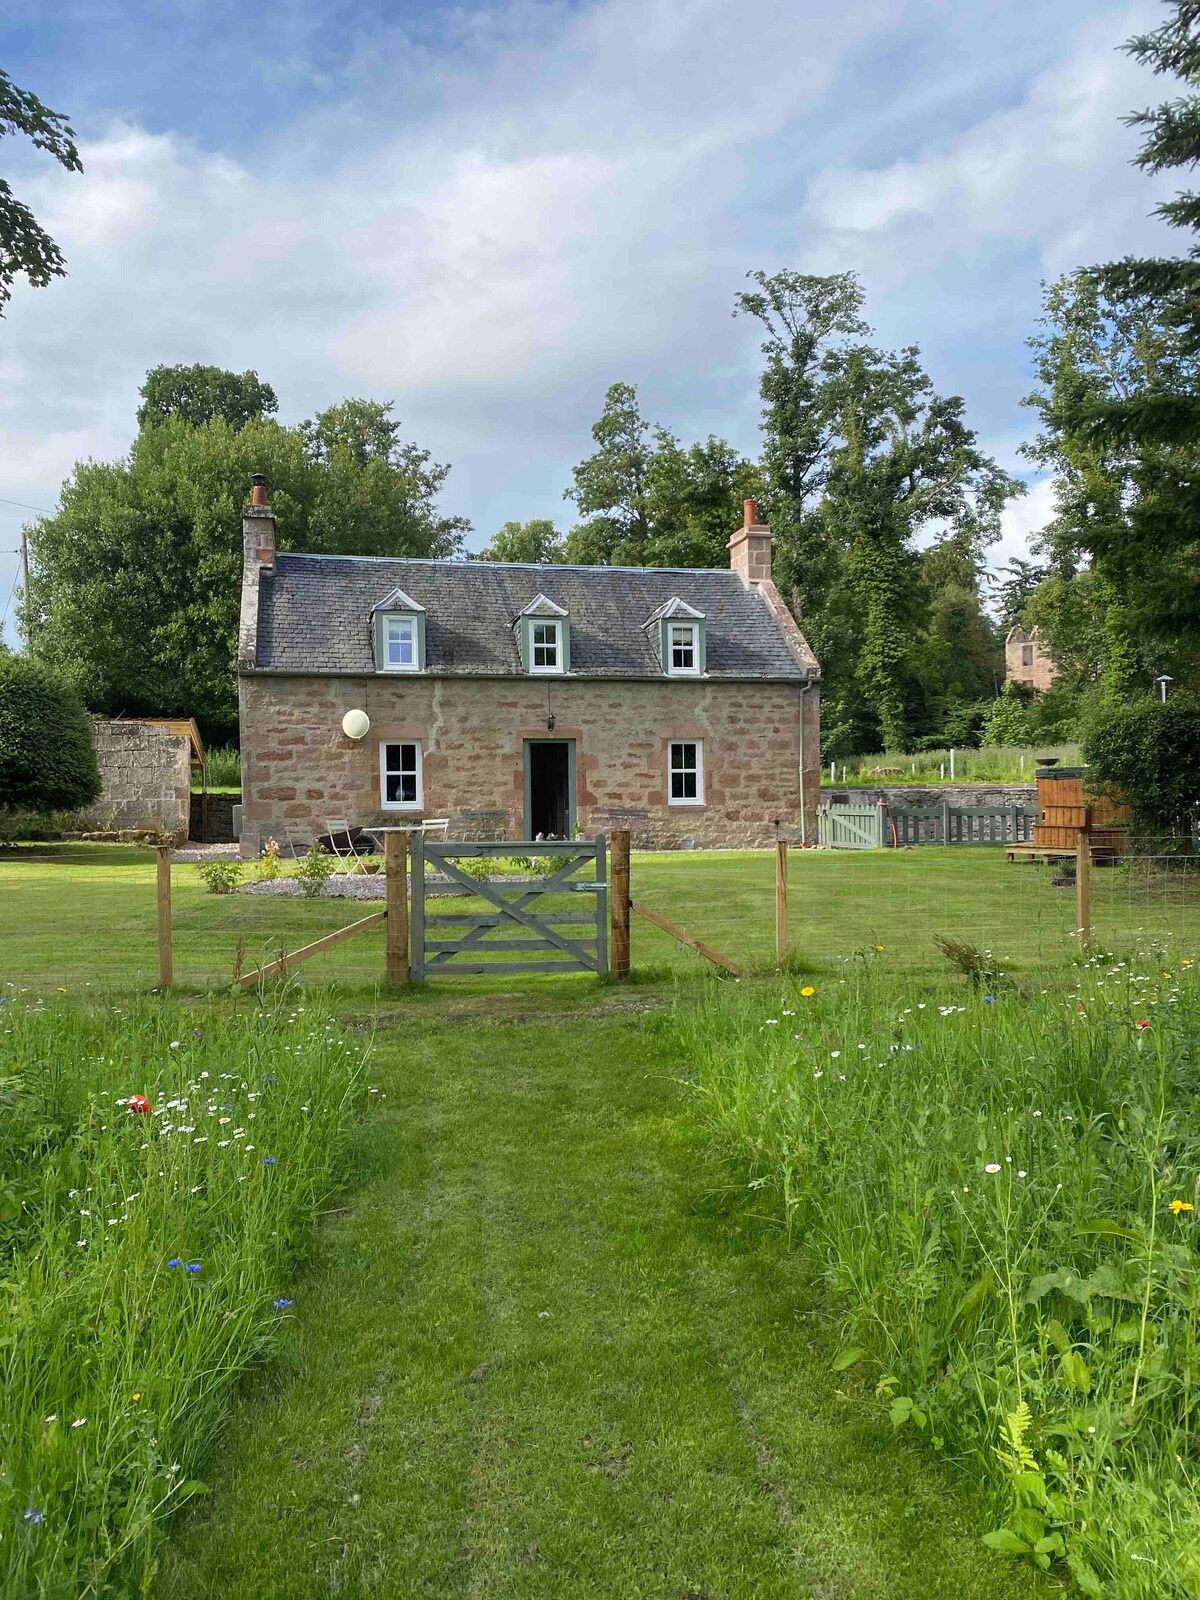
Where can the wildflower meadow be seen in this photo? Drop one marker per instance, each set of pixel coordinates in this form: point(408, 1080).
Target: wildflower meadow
point(998, 1188)
point(160, 1171)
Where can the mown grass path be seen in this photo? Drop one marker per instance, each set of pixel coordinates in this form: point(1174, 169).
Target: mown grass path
point(534, 1356)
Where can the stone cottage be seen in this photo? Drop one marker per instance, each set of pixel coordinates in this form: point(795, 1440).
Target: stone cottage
point(520, 700)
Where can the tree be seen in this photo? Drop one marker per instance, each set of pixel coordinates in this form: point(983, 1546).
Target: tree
point(197, 394)
point(1148, 754)
point(610, 487)
point(1106, 605)
point(138, 573)
point(862, 459)
point(47, 759)
point(533, 542)
point(26, 249)
point(651, 502)
point(1149, 542)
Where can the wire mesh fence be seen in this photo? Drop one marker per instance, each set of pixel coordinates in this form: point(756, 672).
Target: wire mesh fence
point(78, 917)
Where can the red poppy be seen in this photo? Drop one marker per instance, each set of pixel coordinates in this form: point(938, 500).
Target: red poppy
point(1141, 1023)
point(138, 1102)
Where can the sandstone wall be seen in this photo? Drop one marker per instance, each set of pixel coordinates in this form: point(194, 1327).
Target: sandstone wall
point(299, 769)
point(146, 775)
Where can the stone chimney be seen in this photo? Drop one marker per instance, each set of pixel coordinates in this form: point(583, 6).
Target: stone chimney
point(750, 548)
point(258, 527)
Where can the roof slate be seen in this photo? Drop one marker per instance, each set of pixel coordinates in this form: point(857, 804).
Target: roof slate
point(315, 616)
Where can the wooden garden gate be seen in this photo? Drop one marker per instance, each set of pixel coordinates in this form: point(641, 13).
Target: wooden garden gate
point(516, 922)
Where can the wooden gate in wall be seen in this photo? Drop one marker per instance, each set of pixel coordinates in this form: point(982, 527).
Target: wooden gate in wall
point(519, 927)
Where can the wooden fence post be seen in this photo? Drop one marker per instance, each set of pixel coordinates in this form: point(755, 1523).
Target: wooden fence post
point(619, 905)
point(395, 866)
point(1083, 884)
point(781, 901)
point(165, 964)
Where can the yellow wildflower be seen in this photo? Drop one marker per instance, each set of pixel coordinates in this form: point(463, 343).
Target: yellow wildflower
point(135, 1396)
point(879, 949)
point(1181, 1205)
point(808, 991)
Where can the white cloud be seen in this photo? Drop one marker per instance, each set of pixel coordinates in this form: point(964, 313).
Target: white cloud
point(571, 195)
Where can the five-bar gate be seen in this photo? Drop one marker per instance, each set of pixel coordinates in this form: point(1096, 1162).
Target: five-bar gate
point(519, 928)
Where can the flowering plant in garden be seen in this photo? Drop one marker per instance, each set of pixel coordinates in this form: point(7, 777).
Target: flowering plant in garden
point(1001, 1199)
point(169, 1218)
point(268, 866)
point(315, 869)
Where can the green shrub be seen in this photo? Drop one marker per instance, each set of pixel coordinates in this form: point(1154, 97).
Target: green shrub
point(998, 1189)
point(47, 759)
point(220, 874)
point(117, 1361)
point(1009, 720)
point(315, 869)
point(1149, 755)
point(268, 865)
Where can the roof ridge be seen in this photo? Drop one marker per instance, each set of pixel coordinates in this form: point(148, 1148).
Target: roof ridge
point(458, 563)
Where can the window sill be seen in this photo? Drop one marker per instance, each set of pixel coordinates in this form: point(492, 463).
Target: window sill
point(688, 805)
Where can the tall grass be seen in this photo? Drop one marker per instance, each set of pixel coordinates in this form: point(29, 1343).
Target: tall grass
point(145, 1254)
point(992, 764)
point(224, 768)
point(998, 1190)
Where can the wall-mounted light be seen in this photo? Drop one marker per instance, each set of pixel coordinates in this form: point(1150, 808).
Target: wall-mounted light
point(549, 712)
point(356, 724)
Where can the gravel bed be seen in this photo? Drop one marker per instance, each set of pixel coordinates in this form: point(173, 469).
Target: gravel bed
point(205, 852)
point(347, 886)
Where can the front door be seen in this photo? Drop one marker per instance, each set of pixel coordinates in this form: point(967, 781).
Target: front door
point(549, 798)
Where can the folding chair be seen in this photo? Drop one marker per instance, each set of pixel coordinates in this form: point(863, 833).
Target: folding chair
point(344, 851)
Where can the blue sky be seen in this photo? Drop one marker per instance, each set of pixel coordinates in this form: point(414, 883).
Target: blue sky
point(488, 213)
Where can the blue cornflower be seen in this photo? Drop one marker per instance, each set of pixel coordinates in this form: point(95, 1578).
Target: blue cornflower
point(279, 1304)
point(175, 1261)
point(271, 1079)
point(989, 999)
point(268, 1161)
point(192, 1266)
point(35, 1516)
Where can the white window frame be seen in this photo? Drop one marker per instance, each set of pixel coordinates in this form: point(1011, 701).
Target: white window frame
point(401, 666)
point(678, 744)
point(401, 805)
point(545, 622)
point(693, 630)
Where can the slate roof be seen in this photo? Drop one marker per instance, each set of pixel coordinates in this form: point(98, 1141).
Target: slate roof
point(314, 615)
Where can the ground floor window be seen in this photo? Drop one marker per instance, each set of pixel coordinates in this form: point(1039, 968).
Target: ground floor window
point(400, 775)
point(686, 772)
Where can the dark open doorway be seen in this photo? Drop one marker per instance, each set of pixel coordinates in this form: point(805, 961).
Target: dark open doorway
point(549, 810)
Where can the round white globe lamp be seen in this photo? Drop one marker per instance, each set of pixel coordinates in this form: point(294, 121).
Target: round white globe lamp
point(356, 724)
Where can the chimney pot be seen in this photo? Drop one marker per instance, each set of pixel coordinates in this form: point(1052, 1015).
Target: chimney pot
point(749, 513)
point(258, 489)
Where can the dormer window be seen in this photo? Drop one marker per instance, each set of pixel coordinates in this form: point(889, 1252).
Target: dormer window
point(685, 648)
point(547, 647)
point(400, 644)
point(544, 637)
point(398, 633)
point(678, 631)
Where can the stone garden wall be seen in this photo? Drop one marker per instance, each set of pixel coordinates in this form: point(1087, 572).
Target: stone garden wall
point(146, 774)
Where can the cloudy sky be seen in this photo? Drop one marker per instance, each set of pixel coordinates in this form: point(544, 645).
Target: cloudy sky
point(489, 212)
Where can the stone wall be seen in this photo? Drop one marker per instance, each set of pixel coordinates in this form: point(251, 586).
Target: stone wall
point(915, 795)
point(299, 770)
point(220, 819)
point(146, 772)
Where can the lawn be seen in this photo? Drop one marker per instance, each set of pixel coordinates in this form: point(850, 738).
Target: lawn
point(552, 1339)
point(540, 1352)
point(85, 914)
